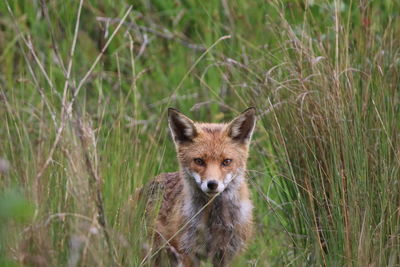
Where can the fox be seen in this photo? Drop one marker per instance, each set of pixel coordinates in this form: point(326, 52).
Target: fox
point(206, 210)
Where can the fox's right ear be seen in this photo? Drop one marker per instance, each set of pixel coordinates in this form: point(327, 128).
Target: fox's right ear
point(182, 128)
point(242, 127)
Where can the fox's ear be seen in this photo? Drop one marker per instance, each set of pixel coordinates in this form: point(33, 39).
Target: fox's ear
point(241, 128)
point(182, 128)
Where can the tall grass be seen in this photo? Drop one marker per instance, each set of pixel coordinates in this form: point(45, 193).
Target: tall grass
point(336, 139)
point(84, 86)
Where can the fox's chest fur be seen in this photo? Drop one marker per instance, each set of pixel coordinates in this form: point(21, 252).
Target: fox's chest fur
point(206, 228)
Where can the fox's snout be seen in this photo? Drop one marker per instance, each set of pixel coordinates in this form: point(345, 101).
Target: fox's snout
point(211, 185)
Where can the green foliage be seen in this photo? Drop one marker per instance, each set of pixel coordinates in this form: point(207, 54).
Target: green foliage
point(324, 166)
point(14, 206)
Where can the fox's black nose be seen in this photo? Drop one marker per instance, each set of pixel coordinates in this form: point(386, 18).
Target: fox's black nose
point(212, 185)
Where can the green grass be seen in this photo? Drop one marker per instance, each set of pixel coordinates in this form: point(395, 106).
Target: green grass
point(324, 167)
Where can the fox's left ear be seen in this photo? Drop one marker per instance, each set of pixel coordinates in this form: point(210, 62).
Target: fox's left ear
point(242, 127)
point(182, 128)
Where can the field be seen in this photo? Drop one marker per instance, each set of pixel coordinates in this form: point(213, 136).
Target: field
point(84, 89)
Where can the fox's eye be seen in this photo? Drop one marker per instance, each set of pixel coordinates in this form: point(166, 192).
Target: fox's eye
point(226, 162)
point(199, 161)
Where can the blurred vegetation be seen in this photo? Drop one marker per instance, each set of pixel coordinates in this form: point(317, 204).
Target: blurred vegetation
point(83, 126)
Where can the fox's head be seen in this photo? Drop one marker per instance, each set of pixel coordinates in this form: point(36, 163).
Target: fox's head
point(212, 155)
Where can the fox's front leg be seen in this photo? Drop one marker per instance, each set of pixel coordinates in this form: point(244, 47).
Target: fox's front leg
point(188, 246)
point(190, 261)
point(221, 258)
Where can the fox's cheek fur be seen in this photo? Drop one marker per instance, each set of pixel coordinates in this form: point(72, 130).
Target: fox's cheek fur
point(228, 179)
point(196, 177)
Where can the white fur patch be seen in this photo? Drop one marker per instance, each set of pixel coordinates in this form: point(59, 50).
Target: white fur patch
point(246, 208)
point(252, 130)
point(193, 175)
point(221, 187)
point(204, 186)
point(228, 179)
point(196, 177)
point(236, 126)
point(188, 131)
point(188, 207)
point(238, 179)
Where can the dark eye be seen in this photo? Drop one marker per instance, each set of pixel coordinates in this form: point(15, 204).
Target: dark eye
point(199, 161)
point(226, 162)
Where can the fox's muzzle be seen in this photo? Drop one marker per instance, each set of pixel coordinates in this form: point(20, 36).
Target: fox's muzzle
point(210, 186)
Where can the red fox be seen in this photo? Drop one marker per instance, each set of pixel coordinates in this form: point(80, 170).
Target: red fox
point(206, 211)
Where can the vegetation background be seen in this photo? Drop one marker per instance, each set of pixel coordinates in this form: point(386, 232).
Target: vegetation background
point(84, 87)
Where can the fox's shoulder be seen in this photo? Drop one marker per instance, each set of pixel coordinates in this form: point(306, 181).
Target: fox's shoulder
point(168, 187)
point(167, 180)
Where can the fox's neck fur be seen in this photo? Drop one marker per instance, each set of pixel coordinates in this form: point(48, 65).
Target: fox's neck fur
point(216, 217)
point(195, 199)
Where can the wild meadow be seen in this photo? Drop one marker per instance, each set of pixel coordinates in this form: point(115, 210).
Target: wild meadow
point(84, 89)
